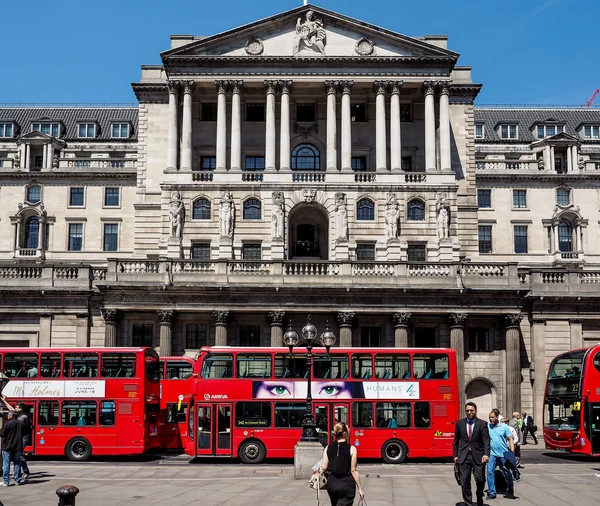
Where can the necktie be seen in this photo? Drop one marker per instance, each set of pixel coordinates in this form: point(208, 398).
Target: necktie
point(470, 430)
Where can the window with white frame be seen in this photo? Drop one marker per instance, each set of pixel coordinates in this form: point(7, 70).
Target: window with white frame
point(6, 129)
point(549, 130)
point(484, 198)
point(75, 237)
point(590, 132)
point(508, 131)
point(76, 196)
point(87, 130)
point(520, 238)
point(479, 131)
point(485, 238)
point(120, 130)
point(111, 197)
point(111, 237)
point(34, 194)
point(48, 128)
point(519, 199)
point(563, 196)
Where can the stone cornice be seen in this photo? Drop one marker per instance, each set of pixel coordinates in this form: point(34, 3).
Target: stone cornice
point(151, 92)
point(75, 174)
point(537, 177)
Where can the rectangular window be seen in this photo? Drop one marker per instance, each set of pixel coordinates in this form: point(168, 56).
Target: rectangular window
point(76, 197)
point(287, 366)
point(479, 131)
point(540, 132)
point(289, 414)
point(362, 414)
point(249, 335)
point(253, 414)
point(422, 415)
point(370, 337)
point(407, 165)
point(80, 365)
point(359, 112)
point(120, 130)
point(6, 129)
point(255, 163)
point(50, 365)
point(306, 112)
point(208, 162)
point(558, 165)
point(255, 111)
point(142, 334)
point(563, 196)
point(118, 365)
point(251, 251)
point(479, 340)
point(174, 414)
point(111, 237)
point(416, 253)
point(46, 128)
point(38, 161)
point(485, 239)
point(331, 366)
point(48, 412)
point(217, 366)
point(17, 365)
point(425, 337)
point(520, 232)
point(75, 236)
point(365, 252)
point(79, 412)
point(111, 197)
point(393, 414)
point(405, 113)
point(87, 130)
point(508, 131)
point(587, 132)
point(253, 365)
point(519, 199)
point(209, 112)
point(362, 366)
point(179, 370)
point(484, 198)
point(200, 251)
point(359, 163)
point(392, 366)
point(196, 336)
point(107, 412)
point(430, 366)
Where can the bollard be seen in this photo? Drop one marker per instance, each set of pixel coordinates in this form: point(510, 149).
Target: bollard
point(66, 495)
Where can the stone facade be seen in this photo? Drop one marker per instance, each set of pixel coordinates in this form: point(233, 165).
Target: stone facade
point(303, 164)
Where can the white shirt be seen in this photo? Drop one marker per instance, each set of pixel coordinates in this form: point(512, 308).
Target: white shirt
point(514, 434)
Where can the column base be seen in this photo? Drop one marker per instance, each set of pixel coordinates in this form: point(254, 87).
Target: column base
point(306, 455)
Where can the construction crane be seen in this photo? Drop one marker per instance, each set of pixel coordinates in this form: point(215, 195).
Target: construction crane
point(590, 102)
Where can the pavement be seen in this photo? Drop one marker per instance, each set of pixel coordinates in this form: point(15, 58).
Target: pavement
point(548, 479)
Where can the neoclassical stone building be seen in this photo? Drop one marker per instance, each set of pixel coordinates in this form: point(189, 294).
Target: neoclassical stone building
point(308, 163)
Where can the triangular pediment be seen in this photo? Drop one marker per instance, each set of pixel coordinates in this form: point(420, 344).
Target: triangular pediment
point(35, 135)
point(309, 31)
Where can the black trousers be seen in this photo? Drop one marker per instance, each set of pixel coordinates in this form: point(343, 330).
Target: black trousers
point(466, 468)
point(341, 490)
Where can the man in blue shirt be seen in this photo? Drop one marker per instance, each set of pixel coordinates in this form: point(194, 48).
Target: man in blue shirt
point(500, 441)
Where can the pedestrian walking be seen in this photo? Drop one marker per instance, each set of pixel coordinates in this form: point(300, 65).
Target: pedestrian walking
point(501, 441)
point(339, 459)
point(471, 450)
point(26, 430)
point(514, 424)
point(529, 428)
point(12, 440)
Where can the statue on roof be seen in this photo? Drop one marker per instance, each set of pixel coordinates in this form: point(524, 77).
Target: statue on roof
point(311, 33)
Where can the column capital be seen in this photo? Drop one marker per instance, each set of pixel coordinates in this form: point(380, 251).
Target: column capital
point(401, 319)
point(271, 86)
point(109, 315)
point(395, 87)
point(444, 87)
point(345, 318)
point(379, 87)
point(235, 86)
point(173, 86)
point(221, 85)
point(165, 316)
point(276, 318)
point(429, 87)
point(188, 86)
point(575, 321)
point(285, 86)
point(331, 87)
point(512, 320)
point(346, 86)
point(221, 317)
point(457, 320)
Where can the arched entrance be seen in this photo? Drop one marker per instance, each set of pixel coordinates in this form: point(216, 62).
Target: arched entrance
point(308, 232)
point(483, 393)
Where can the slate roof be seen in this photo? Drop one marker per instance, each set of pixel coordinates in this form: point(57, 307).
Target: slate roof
point(527, 119)
point(70, 116)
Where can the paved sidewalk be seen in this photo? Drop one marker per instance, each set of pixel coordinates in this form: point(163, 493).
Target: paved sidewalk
point(231, 484)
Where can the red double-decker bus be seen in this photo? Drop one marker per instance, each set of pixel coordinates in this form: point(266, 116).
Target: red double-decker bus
point(572, 402)
point(86, 401)
point(249, 402)
point(176, 380)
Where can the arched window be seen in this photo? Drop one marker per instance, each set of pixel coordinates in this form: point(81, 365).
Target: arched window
point(32, 232)
point(565, 236)
point(365, 210)
point(416, 210)
point(252, 209)
point(201, 210)
point(305, 157)
point(34, 194)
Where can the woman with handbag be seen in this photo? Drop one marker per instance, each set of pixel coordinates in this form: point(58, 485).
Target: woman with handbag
point(339, 461)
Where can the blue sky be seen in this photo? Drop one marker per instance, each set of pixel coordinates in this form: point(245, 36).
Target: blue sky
point(523, 51)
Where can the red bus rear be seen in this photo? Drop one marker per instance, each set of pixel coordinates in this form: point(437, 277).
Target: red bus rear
point(86, 401)
point(572, 402)
point(249, 402)
point(176, 378)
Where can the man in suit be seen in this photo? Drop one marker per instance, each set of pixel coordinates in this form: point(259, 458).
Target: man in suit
point(471, 452)
point(528, 429)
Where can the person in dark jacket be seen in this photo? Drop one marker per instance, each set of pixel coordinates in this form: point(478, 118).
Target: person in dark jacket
point(339, 459)
point(12, 441)
point(471, 450)
point(27, 431)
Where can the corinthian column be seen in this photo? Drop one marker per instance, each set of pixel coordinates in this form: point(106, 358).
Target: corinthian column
point(401, 329)
point(380, 140)
point(236, 125)
point(110, 327)
point(186, 128)
point(445, 156)
point(346, 87)
point(221, 318)
point(331, 89)
point(345, 322)
point(221, 156)
point(271, 87)
point(284, 142)
point(513, 363)
point(457, 342)
point(276, 318)
point(395, 129)
point(172, 139)
point(166, 321)
point(429, 126)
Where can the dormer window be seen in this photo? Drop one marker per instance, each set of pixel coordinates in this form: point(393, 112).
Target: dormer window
point(120, 130)
point(6, 129)
point(52, 129)
point(479, 131)
point(549, 130)
point(590, 132)
point(508, 131)
point(87, 130)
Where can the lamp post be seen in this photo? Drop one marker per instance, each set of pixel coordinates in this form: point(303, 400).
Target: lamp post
point(291, 339)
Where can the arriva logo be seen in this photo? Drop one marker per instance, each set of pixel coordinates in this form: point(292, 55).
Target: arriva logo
point(208, 397)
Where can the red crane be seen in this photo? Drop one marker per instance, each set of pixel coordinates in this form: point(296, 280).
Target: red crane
point(590, 102)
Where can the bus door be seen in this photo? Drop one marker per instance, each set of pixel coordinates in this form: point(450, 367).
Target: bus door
point(595, 427)
point(174, 424)
point(340, 413)
point(214, 429)
point(324, 426)
point(30, 410)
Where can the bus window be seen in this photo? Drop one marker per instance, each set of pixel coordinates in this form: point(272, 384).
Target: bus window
point(107, 412)
point(393, 414)
point(175, 415)
point(290, 367)
point(217, 366)
point(179, 370)
point(118, 365)
point(152, 365)
point(331, 366)
point(362, 414)
point(253, 366)
point(48, 412)
point(567, 366)
point(422, 415)
point(362, 366)
point(392, 366)
point(80, 365)
point(253, 414)
point(430, 366)
point(21, 365)
point(288, 414)
point(79, 413)
point(597, 361)
point(50, 365)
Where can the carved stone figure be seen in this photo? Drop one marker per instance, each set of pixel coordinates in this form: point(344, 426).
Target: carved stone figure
point(392, 214)
point(311, 34)
point(442, 209)
point(227, 215)
point(55, 161)
point(341, 218)
point(309, 196)
point(176, 215)
point(581, 163)
point(277, 225)
point(17, 161)
point(541, 163)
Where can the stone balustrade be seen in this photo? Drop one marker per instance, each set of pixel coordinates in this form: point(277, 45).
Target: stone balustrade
point(50, 276)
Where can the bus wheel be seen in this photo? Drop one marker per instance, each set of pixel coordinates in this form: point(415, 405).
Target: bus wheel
point(78, 449)
point(394, 451)
point(252, 452)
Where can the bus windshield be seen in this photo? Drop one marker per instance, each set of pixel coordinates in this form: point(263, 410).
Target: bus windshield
point(152, 365)
point(563, 390)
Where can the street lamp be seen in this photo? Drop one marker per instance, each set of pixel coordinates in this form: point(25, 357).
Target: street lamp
point(291, 339)
point(4, 379)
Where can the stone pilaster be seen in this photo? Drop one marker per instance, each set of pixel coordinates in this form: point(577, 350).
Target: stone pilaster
point(276, 319)
point(576, 332)
point(538, 358)
point(221, 319)
point(45, 333)
point(513, 363)
point(82, 330)
point(110, 327)
point(166, 326)
point(345, 319)
point(457, 343)
point(401, 321)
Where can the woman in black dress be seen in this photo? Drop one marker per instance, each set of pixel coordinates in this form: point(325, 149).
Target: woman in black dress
point(339, 459)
